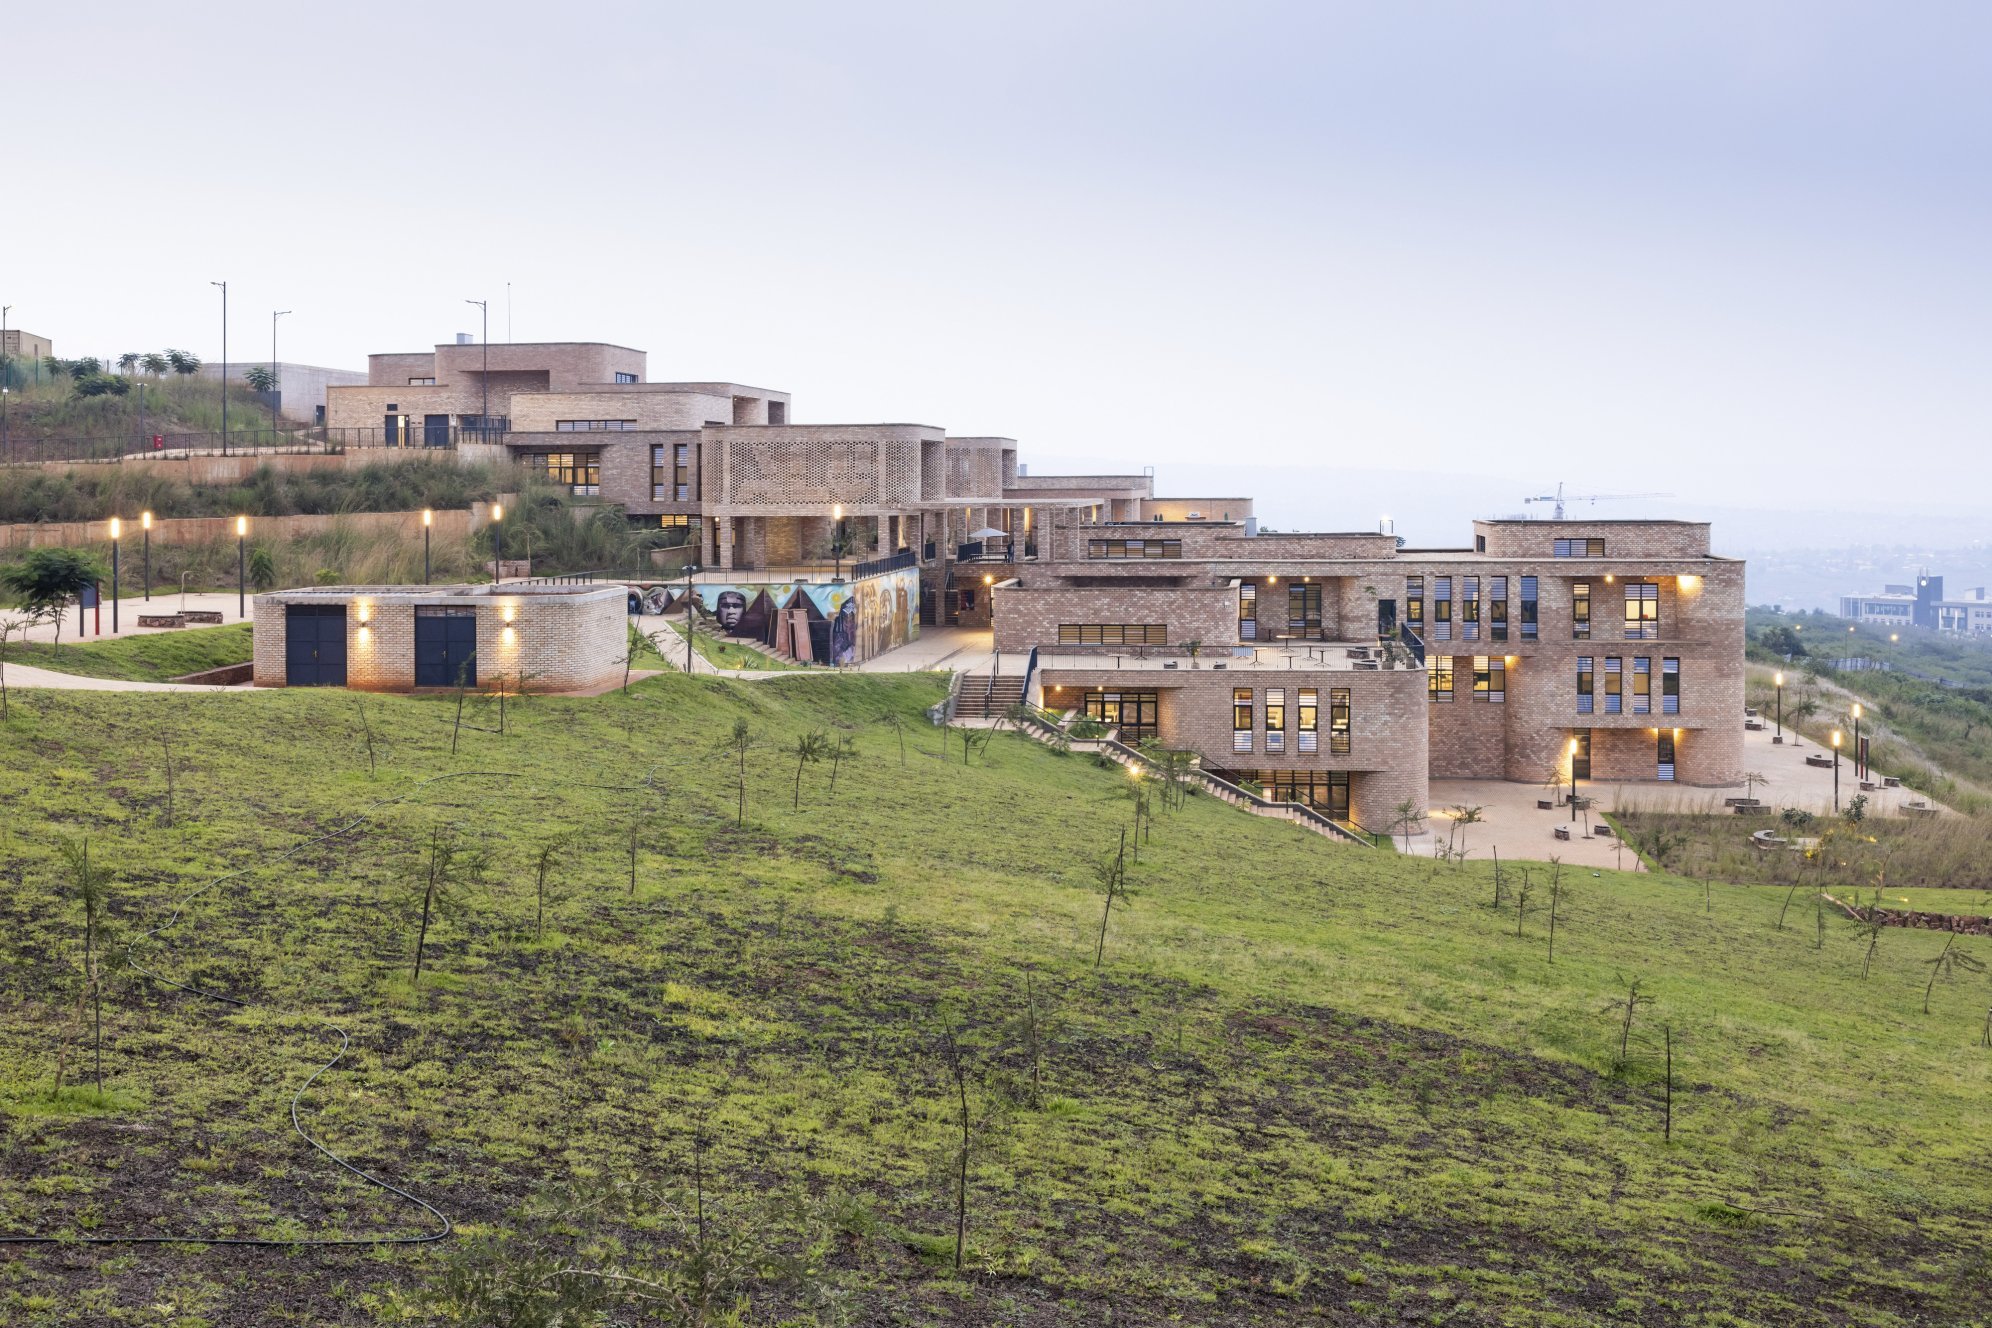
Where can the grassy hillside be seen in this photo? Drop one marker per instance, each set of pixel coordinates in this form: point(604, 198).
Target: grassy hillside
point(156, 658)
point(1307, 1082)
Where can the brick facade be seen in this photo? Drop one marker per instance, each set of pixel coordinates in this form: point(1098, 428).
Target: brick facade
point(529, 638)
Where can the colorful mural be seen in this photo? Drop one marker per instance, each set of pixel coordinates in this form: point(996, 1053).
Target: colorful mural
point(846, 622)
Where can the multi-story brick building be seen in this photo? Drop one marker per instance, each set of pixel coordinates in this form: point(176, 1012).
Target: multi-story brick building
point(1338, 669)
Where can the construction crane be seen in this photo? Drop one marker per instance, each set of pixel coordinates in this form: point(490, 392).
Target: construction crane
point(1560, 497)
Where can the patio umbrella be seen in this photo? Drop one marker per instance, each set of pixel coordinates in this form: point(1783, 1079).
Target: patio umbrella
point(989, 532)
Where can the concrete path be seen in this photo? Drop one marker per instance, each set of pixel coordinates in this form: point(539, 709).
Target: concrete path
point(22, 675)
point(97, 621)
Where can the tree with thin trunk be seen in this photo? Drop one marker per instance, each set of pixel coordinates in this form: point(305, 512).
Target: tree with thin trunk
point(1110, 874)
point(1870, 924)
point(48, 579)
point(843, 749)
point(897, 723)
point(166, 744)
point(1524, 900)
point(1402, 817)
point(453, 863)
point(367, 729)
point(1555, 898)
point(810, 748)
point(1462, 817)
point(1033, 1041)
point(542, 868)
point(1667, 1130)
point(86, 886)
point(1946, 966)
point(958, 1070)
point(1626, 1008)
point(738, 743)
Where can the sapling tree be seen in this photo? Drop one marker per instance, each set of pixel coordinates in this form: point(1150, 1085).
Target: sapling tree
point(453, 863)
point(842, 749)
point(810, 748)
point(542, 868)
point(958, 1072)
point(1402, 817)
point(1524, 900)
point(47, 579)
point(1110, 874)
point(1555, 898)
point(738, 743)
point(166, 746)
point(366, 729)
point(1462, 817)
point(1950, 961)
point(86, 886)
point(893, 720)
point(1626, 1008)
point(1869, 923)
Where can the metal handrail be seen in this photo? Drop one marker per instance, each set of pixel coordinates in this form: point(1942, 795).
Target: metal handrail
point(1412, 642)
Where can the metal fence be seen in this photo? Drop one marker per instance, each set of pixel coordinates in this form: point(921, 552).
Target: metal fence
point(18, 449)
point(890, 563)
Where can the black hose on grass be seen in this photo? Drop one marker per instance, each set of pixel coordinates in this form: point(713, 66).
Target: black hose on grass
point(345, 1041)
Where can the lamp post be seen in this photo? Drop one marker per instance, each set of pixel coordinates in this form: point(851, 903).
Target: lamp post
point(224, 364)
point(145, 524)
point(241, 567)
point(1836, 771)
point(427, 517)
point(1573, 779)
point(1860, 766)
point(837, 536)
point(275, 314)
point(117, 529)
point(484, 417)
point(497, 543)
point(1777, 681)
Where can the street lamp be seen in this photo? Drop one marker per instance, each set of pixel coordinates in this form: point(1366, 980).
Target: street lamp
point(117, 529)
point(1836, 770)
point(837, 536)
point(1573, 779)
point(145, 524)
point(497, 542)
point(275, 314)
point(1860, 767)
point(484, 419)
point(241, 567)
point(1777, 681)
point(224, 364)
point(427, 518)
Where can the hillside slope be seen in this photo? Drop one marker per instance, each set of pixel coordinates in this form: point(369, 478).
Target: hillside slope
point(1305, 1081)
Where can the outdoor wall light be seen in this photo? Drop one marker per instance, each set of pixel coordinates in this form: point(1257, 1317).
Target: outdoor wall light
point(1608, 578)
point(507, 613)
point(1688, 584)
point(988, 580)
point(508, 636)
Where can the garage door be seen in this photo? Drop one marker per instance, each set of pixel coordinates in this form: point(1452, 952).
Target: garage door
point(315, 645)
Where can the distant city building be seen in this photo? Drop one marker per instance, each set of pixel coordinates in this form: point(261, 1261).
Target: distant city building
point(26, 348)
point(300, 387)
point(1923, 605)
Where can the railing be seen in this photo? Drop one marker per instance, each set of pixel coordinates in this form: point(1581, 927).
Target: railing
point(969, 552)
point(927, 552)
point(566, 579)
point(1412, 642)
point(879, 566)
point(1224, 788)
point(1030, 671)
point(417, 433)
point(117, 447)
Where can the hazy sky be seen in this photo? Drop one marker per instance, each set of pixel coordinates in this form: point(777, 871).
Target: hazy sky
point(1734, 251)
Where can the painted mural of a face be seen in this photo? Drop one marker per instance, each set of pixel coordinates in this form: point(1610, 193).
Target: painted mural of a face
point(729, 609)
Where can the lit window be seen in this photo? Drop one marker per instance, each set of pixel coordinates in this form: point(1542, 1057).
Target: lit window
point(1497, 608)
point(1310, 713)
point(1580, 611)
point(1642, 611)
point(1614, 683)
point(1584, 684)
point(1670, 686)
point(1241, 719)
point(1490, 679)
point(1642, 686)
point(1339, 716)
point(1276, 719)
point(1439, 678)
point(1248, 612)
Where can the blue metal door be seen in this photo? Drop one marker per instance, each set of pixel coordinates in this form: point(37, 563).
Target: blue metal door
point(445, 647)
point(315, 645)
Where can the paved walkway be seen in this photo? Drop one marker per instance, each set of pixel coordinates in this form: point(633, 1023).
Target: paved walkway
point(22, 675)
point(97, 621)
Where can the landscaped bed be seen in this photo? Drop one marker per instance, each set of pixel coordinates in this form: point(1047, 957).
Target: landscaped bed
point(154, 657)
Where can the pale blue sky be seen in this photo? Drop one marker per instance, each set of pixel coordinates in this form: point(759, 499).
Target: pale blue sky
point(1734, 251)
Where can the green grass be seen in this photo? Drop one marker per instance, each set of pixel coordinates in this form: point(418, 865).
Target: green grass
point(1309, 1082)
point(727, 654)
point(157, 657)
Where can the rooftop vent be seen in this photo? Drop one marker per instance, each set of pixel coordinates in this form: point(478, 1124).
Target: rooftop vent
point(464, 339)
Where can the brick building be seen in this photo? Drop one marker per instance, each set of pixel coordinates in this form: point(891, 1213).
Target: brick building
point(518, 637)
point(1337, 669)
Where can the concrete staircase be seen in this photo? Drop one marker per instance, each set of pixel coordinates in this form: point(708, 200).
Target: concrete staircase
point(987, 696)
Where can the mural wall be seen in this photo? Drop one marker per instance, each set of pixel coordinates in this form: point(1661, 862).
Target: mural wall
point(844, 622)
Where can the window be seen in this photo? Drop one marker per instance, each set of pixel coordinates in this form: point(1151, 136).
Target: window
point(1338, 720)
point(1580, 548)
point(1439, 678)
point(1310, 719)
point(1497, 608)
point(1113, 634)
point(1670, 686)
point(1304, 611)
point(671, 473)
point(1241, 719)
point(1133, 713)
point(671, 519)
point(1469, 608)
point(1490, 679)
point(1530, 609)
point(1134, 548)
point(778, 412)
point(1580, 611)
point(1248, 612)
point(1664, 750)
point(1614, 685)
point(1276, 719)
point(1642, 686)
point(419, 382)
point(1583, 684)
point(593, 426)
point(1480, 544)
point(581, 472)
point(1414, 602)
point(625, 377)
point(1442, 608)
point(1642, 611)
